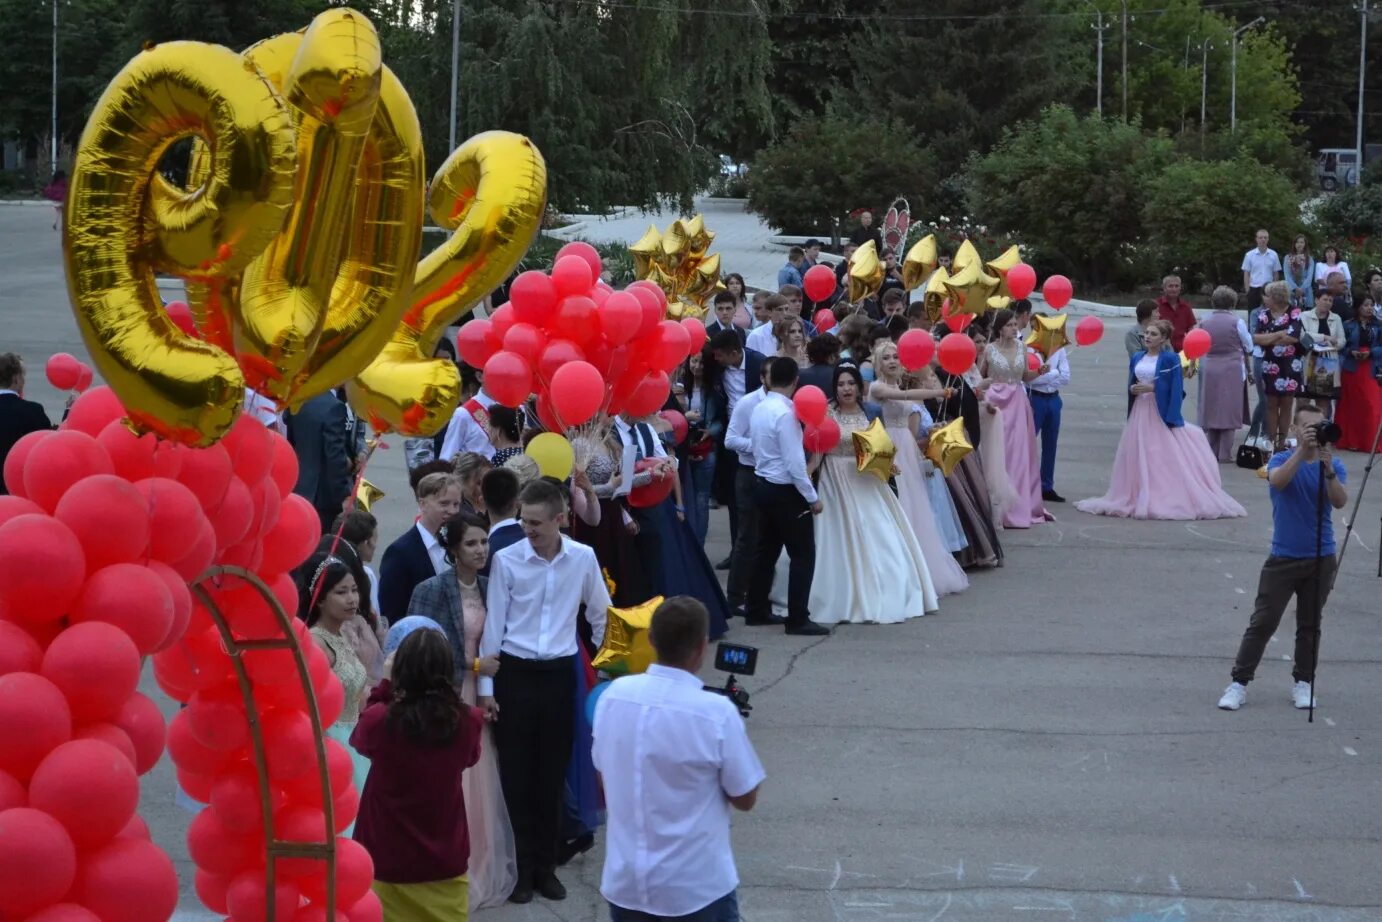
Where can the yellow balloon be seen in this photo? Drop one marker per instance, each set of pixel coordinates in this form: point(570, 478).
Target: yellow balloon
point(922, 260)
point(999, 268)
point(1048, 333)
point(627, 650)
point(491, 192)
point(366, 494)
point(948, 445)
point(865, 272)
point(553, 454)
point(936, 293)
point(698, 238)
point(874, 451)
point(122, 226)
point(965, 255)
point(645, 250)
point(676, 243)
point(969, 289)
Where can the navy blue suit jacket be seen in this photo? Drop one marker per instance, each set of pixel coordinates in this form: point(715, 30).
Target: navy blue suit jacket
point(18, 417)
point(318, 431)
point(510, 534)
point(405, 565)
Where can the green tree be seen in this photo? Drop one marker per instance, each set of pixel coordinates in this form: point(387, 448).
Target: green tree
point(1355, 212)
point(1072, 187)
point(825, 167)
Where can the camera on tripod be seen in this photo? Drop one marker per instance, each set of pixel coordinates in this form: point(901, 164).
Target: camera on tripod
point(735, 658)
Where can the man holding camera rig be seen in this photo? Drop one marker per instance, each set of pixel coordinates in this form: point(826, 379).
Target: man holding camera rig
point(674, 758)
point(1302, 561)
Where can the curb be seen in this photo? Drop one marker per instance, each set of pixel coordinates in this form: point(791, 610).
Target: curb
point(27, 201)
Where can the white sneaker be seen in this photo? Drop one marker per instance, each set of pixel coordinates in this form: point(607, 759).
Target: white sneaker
point(1300, 695)
point(1233, 698)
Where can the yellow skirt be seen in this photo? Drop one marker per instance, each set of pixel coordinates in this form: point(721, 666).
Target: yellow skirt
point(438, 901)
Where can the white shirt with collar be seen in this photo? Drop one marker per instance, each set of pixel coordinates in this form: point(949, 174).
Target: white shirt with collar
point(533, 603)
point(734, 381)
point(670, 754)
point(463, 433)
point(737, 435)
point(1055, 380)
point(761, 339)
point(775, 436)
point(434, 548)
point(628, 435)
point(1261, 267)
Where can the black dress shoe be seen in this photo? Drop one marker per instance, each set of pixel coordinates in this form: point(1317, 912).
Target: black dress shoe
point(578, 846)
point(809, 629)
point(1051, 496)
point(522, 890)
point(548, 887)
point(723, 565)
point(764, 621)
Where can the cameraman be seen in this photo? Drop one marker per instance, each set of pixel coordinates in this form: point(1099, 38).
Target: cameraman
point(673, 758)
point(1302, 560)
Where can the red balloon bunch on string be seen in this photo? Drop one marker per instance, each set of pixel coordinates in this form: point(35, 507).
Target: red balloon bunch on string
point(99, 540)
point(66, 372)
point(579, 345)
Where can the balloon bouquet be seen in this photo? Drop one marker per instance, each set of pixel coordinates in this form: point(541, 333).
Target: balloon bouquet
point(159, 522)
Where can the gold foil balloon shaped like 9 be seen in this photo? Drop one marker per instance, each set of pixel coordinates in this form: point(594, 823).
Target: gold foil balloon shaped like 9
point(865, 272)
point(922, 260)
point(122, 226)
point(491, 192)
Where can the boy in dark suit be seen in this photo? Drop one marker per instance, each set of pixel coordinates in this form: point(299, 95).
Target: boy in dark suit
point(724, 317)
point(417, 554)
point(500, 489)
point(18, 417)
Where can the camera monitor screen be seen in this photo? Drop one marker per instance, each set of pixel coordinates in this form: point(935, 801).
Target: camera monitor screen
point(733, 657)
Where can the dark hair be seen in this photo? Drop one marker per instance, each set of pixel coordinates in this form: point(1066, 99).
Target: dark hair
point(724, 297)
point(916, 310)
point(333, 569)
point(848, 369)
point(543, 492)
point(507, 421)
point(812, 242)
point(784, 373)
point(356, 526)
point(11, 367)
point(499, 488)
point(743, 289)
point(452, 531)
point(431, 467)
point(823, 350)
point(1145, 308)
point(423, 704)
point(1305, 407)
point(893, 295)
point(765, 368)
point(776, 301)
point(1002, 319)
point(1021, 306)
point(1370, 275)
point(345, 550)
point(1324, 254)
point(679, 626)
point(790, 291)
point(886, 252)
point(726, 341)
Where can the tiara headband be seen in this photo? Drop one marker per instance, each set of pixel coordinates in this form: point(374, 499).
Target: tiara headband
point(312, 586)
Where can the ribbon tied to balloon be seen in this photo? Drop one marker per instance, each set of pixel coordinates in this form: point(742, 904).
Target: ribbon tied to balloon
point(676, 261)
point(295, 233)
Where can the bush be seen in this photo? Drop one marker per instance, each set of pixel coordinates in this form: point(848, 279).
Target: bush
point(1354, 213)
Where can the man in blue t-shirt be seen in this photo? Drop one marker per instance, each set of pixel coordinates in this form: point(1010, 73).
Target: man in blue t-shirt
point(1302, 561)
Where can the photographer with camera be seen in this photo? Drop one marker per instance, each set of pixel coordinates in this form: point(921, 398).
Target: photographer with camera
point(673, 758)
point(1302, 560)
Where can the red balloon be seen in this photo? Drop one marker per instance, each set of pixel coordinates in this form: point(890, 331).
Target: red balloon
point(206, 472)
point(14, 461)
point(586, 252)
point(956, 323)
point(652, 303)
point(38, 861)
point(12, 793)
point(571, 275)
point(232, 517)
point(42, 568)
point(576, 319)
point(109, 734)
point(819, 282)
point(247, 899)
point(354, 873)
point(180, 598)
point(474, 340)
point(211, 890)
point(64, 912)
point(1196, 345)
point(330, 700)
point(97, 668)
point(94, 410)
point(92, 506)
point(822, 438)
point(175, 517)
point(250, 448)
point(90, 787)
point(217, 718)
point(557, 353)
point(345, 809)
point(306, 789)
point(620, 317)
point(508, 379)
point(193, 564)
point(1089, 331)
point(1057, 291)
point(195, 785)
point(825, 317)
point(181, 315)
point(289, 744)
point(136, 828)
point(84, 378)
point(128, 880)
point(266, 507)
point(915, 349)
point(235, 798)
point(957, 353)
point(190, 755)
point(142, 722)
point(649, 394)
point(1033, 363)
point(19, 652)
point(655, 490)
point(670, 347)
point(526, 340)
point(219, 849)
point(303, 826)
point(696, 330)
point(532, 299)
point(36, 718)
point(811, 405)
point(1021, 280)
point(58, 462)
point(285, 465)
point(138, 457)
point(368, 909)
point(14, 506)
point(677, 420)
point(293, 536)
point(64, 371)
point(577, 393)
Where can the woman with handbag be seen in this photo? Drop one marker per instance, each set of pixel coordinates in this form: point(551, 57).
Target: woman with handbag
point(1323, 338)
point(1224, 374)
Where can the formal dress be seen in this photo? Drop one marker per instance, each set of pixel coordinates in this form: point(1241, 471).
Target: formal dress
point(1019, 439)
point(1283, 365)
point(914, 496)
point(1224, 382)
point(610, 539)
point(1360, 396)
point(967, 485)
point(1163, 468)
point(686, 570)
point(942, 504)
point(348, 668)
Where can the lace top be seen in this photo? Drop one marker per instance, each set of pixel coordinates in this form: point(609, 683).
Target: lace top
point(1145, 371)
point(849, 422)
point(1003, 371)
point(897, 412)
point(601, 470)
point(348, 669)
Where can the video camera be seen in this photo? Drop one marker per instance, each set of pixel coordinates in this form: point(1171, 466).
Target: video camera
point(735, 658)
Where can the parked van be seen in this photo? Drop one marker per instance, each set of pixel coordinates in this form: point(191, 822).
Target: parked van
point(1338, 167)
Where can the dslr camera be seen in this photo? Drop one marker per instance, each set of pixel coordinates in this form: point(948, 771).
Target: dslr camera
point(1327, 432)
point(735, 658)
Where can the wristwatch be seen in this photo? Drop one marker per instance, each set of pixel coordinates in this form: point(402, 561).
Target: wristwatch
point(1330, 475)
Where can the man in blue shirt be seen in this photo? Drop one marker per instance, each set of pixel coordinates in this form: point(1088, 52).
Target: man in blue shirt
point(790, 274)
point(1302, 561)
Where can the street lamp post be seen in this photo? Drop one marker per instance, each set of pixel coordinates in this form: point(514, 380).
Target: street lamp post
point(1233, 88)
point(53, 128)
point(1125, 60)
point(1204, 83)
point(1099, 58)
point(455, 65)
point(1362, 76)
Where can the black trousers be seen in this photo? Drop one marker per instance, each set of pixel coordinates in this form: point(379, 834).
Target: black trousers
point(784, 520)
point(1254, 299)
point(726, 471)
point(745, 548)
point(533, 737)
point(1282, 578)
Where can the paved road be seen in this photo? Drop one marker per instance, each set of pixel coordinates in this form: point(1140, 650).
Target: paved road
point(1046, 747)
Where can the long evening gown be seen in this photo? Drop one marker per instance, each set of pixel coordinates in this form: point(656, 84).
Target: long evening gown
point(1162, 472)
point(912, 493)
point(348, 668)
point(967, 484)
point(1019, 439)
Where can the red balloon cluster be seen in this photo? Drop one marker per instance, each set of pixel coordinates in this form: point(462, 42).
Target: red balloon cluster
point(66, 372)
point(580, 346)
point(99, 539)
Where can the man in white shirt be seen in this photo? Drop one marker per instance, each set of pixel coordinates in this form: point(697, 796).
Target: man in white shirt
point(536, 590)
point(466, 432)
point(786, 501)
point(735, 371)
point(674, 758)
point(1261, 267)
point(1044, 393)
point(745, 542)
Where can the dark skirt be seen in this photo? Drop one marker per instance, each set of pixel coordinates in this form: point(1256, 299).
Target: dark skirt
point(614, 550)
point(970, 491)
point(685, 569)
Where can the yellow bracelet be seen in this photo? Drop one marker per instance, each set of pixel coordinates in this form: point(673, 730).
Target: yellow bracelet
point(476, 667)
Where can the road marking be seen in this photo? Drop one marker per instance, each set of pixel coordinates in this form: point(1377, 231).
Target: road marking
point(1300, 890)
point(1175, 884)
point(1012, 873)
point(1240, 590)
point(1329, 720)
point(1285, 657)
point(1350, 751)
point(834, 881)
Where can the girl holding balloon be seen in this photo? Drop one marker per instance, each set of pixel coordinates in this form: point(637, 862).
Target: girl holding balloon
point(1005, 366)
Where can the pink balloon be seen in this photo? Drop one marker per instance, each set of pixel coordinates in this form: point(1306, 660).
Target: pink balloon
point(94, 410)
point(84, 379)
point(91, 505)
point(555, 354)
point(127, 880)
point(508, 378)
point(131, 597)
point(64, 371)
point(649, 394)
point(1021, 280)
point(571, 275)
point(19, 652)
point(526, 340)
point(671, 347)
point(652, 302)
point(475, 342)
point(15, 460)
point(576, 318)
point(586, 252)
point(957, 353)
point(142, 722)
point(181, 315)
point(825, 317)
point(1057, 291)
point(811, 405)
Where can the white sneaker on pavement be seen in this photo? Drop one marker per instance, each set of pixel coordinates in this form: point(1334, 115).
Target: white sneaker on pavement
point(1300, 695)
point(1233, 697)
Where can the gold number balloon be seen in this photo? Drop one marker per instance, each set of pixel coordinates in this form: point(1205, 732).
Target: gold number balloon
point(122, 226)
point(491, 192)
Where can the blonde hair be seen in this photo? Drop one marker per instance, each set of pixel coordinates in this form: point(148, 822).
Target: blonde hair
point(1277, 291)
point(1163, 327)
point(525, 467)
point(435, 485)
point(880, 347)
point(784, 326)
point(468, 465)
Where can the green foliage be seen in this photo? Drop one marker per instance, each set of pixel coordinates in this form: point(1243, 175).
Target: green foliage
point(1352, 213)
point(1198, 210)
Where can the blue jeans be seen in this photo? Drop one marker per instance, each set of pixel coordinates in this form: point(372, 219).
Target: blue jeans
point(725, 909)
point(1046, 418)
point(697, 483)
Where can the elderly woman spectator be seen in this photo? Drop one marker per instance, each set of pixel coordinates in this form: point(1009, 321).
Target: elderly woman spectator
point(1324, 337)
point(1278, 330)
point(1224, 374)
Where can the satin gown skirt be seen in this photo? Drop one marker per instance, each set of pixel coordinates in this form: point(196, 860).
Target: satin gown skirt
point(947, 517)
point(1163, 473)
point(493, 868)
point(1021, 455)
point(1359, 409)
point(912, 493)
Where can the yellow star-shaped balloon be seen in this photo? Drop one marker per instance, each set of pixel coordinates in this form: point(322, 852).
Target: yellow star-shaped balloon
point(865, 272)
point(1188, 366)
point(969, 289)
point(936, 294)
point(999, 268)
point(1048, 333)
point(647, 249)
point(365, 495)
point(874, 451)
point(966, 254)
point(921, 261)
point(948, 445)
point(627, 649)
point(675, 260)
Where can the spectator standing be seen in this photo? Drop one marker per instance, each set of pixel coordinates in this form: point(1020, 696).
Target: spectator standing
point(823, 353)
point(744, 543)
point(1372, 281)
point(892, 275)
point(361, 529)
point(1330, 263)
point(866, 232)
point(1299, 274)
point(1261, 267)
point(500, 487)
point(417, 554)
point(319, 432)
point(790, 274)
point(812, 248)
point(735, 371)
point(842, 267)
point(1175, 310)
point(1044, 393)
point(724, 317)
point(1342, 299)
point(1132, 340)
point(735, 287)
point(1224, 374)
point(18, 417)
point(1360, 403)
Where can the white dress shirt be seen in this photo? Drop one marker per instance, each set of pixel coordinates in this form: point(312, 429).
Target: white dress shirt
point(670, 754)
point(533, 603)
point(1057, 378)
point(775, 436)
point(1261, 267)
point(373, 588)
point(434, 549)
point(463, 433)
point(734, 381)
point(737, 435)
point(630, 435)
point(761, 339)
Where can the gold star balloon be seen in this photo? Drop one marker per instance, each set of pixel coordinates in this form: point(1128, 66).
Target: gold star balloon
point(365, 495)
point(921, 261)
point(1048, 333)
point(969, 289)
point(966, 254)
point(948, 445)
point(865, 272)
point(645, 251)
point(935, 296)
point(627, 649)
point(874, 451)
point(675, 260)
point(999, 268)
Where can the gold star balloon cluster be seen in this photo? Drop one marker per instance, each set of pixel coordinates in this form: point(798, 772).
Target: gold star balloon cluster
point(970, 285)
point(677, 260)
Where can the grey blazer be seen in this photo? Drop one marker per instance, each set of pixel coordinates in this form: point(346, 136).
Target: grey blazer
point(439, 598)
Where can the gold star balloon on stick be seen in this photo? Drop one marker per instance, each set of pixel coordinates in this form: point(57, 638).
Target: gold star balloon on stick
point(865, 272)
point(921, 261)
point(645, 251)
point(966, 254)
point(999, 268)
point(1048, 333)
point(627, 649)
point(948, 445)
point(874, 451)
point(936, 293)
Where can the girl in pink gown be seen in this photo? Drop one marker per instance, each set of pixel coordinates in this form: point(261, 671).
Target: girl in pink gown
point(1164, 468)
point(1005, 362)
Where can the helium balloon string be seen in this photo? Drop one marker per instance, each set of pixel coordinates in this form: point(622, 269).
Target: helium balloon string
point(352, 501)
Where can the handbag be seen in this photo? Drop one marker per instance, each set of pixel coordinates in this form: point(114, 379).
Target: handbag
point(1250, 457)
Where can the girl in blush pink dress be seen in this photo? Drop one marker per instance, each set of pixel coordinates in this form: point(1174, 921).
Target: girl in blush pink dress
point(1006, 369)
point(1164, 468)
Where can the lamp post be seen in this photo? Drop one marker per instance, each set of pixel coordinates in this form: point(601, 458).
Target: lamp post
point(1362, 75)
point(1099, 59)
point(53, 128)
point(1204, 83)
point(1233, 89)
point(455, 65)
